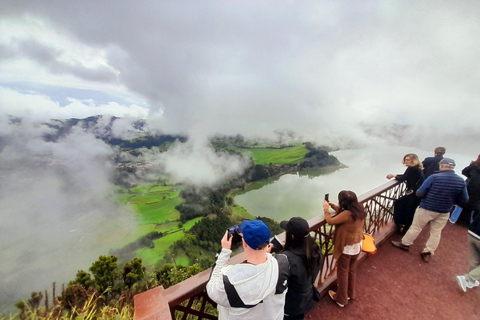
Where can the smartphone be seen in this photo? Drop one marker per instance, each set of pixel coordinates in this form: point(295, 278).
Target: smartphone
point(277, 245)
point(326, 196)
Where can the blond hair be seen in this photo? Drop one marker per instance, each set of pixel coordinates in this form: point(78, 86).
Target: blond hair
point(415, 161)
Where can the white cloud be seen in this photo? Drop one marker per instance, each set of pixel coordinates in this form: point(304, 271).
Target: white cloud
point(196, 163)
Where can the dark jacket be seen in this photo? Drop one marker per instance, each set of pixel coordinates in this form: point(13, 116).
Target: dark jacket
point(472, 172)
point(474, 229)
point(430, 165)
point(413, 176)
point(441, 191)
point(299, 298)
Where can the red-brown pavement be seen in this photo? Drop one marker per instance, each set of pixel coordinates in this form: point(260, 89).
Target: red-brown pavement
point(395, 284)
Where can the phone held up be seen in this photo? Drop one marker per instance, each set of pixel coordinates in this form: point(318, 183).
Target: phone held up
point(327, 196)
point(235, 233)
point(277, 245)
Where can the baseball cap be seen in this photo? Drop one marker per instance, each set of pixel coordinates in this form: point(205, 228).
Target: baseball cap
point(255, 232)
point(296, 226)
point(447, 162)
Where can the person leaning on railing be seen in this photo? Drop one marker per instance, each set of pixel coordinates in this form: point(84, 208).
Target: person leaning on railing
point(404, 207)
point(347, 241)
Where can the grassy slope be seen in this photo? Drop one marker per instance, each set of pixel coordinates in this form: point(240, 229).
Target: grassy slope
point(285, 155)
point(154, 206)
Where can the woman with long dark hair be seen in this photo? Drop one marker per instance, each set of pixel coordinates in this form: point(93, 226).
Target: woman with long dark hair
point(347, 242)
point(305, 258)
point(405, 206)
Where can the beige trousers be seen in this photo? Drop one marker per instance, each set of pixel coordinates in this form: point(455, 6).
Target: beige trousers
point(422, 217)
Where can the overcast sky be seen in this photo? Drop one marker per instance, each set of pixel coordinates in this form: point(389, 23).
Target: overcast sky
point(324, 69)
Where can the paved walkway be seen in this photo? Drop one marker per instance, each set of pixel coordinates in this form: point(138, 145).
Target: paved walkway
point(394, 284)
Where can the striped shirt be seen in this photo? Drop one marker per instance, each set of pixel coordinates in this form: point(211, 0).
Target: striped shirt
point(441, 191)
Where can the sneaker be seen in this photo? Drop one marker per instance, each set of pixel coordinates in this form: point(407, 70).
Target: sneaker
point(473, 284)
point(451, 221)
point(462, 282)
point(400, 245)
point(332, 294)
point(426, 256)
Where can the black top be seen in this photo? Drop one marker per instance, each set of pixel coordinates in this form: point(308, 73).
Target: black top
point(472, 172)
point(299, 298)
point(414, 177)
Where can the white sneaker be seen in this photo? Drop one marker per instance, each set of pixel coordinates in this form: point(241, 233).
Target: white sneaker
point(462, 282)
point(473, 284)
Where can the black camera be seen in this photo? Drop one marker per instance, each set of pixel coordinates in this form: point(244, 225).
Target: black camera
point(277, 245)
point(326, 197)
point(234, 232)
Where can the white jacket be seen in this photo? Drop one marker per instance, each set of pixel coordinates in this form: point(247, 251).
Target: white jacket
point(255, 285)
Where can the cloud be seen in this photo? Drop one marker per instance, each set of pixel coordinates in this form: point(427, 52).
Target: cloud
point(56, 209)
point(320, 69)
point(196, 163)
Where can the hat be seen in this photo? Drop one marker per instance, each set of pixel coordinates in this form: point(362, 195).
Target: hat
point(296, 226)
point(447, 162)
point(255, 232)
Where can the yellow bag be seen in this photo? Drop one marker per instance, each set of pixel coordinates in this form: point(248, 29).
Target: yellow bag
point(368, 244)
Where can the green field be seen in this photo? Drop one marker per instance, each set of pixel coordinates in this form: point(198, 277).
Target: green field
point(152, 256)
point(241, 212)
point(285, 155)
point(154, 207)
point(154, 204)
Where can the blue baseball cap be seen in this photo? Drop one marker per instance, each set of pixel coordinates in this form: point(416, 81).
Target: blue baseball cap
point(255, 232)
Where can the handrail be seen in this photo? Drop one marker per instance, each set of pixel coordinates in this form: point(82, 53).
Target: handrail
point(189, 297)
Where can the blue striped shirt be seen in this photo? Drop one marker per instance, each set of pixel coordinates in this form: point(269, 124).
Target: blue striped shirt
point(441, 191)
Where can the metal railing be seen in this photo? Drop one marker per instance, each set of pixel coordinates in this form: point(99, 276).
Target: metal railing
point(188, 299)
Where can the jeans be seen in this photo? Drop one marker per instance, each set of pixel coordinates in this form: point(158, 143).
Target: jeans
point(474, 259)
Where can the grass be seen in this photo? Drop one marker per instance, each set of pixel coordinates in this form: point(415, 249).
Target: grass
point(241, 212)
point(190, 223)
point(152, 256)
point(285, 155)
point(153, 203)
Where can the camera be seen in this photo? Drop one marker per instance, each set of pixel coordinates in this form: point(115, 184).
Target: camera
point(277, 245)
point(234, 232)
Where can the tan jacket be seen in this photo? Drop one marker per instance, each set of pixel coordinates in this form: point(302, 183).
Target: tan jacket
point(347, 231)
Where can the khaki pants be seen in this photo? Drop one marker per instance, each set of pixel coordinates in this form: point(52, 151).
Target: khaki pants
point(422, 217)
point(474, 260)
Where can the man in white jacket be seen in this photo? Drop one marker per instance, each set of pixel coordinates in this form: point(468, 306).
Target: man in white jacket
point(254, 289)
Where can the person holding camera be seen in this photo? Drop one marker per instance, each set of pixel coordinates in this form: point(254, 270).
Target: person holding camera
point(347, 242)
point(305, 259)
point(254, 289)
